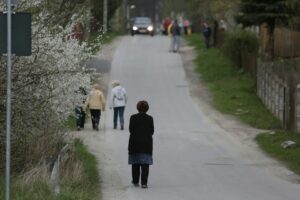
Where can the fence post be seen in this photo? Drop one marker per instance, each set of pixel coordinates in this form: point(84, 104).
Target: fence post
point(277, 94)
point(281, 102)
point(55, 174)
point(273, 95)
point(55, 177)
point(286, 106)
point(265, 87)
point(269, 91)
point(297, 108)
point(259, 82)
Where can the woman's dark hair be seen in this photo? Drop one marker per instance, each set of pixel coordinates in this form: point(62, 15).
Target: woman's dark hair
point(142, 106)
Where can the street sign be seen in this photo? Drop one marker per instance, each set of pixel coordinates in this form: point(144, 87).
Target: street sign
point(21, 34)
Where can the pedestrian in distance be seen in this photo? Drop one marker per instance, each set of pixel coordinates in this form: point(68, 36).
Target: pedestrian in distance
point(186, 26)
point(166, 24)
point(206, 33)
point(118, 103)
point(80, 117)
point(79, 109)
point(176, 36)
point(96, 103)
point(140, 147)
point(171, 36)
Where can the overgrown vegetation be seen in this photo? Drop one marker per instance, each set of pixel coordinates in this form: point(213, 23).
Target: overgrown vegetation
point(79, 180)
point(239, 43)
point(233, 90)
point(270, 143)
point(96, 40)
point(44, 85)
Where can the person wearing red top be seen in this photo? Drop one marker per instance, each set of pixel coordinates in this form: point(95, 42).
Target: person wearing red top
point(166, 24)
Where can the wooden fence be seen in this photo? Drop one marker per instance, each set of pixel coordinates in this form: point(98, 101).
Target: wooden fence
point(274, 93)
point(286, 42)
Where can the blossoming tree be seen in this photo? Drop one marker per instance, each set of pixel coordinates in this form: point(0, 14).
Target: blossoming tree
point(45, 83)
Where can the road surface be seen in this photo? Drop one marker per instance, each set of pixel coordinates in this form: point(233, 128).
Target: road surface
point(194, 156)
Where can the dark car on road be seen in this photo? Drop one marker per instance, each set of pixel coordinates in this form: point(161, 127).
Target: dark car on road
point(142, 25)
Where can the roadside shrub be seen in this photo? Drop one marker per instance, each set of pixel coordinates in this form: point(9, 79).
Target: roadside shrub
point(238, 44)
point(44, 86)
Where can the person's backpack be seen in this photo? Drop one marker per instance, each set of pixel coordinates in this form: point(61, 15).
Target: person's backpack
point(120, 95)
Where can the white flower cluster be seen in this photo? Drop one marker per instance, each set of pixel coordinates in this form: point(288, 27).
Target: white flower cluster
point(52, 76)
point(46, 84)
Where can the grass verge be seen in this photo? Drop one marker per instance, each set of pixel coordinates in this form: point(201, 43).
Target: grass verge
point(234, 91)
point(271, 144)
point(84, 186)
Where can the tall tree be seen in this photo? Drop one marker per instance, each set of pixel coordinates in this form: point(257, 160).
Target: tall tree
point(97, 11)
point(257, 12)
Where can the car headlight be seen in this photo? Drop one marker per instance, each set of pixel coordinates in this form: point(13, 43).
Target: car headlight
point(135, 28)
point(150, 28)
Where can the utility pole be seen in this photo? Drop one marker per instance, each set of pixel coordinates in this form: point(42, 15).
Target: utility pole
point(125, 15)
point(105, 11)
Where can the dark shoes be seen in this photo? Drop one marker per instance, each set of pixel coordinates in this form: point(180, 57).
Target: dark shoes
point(122, 127)
point(135, 184)
point(97, 126)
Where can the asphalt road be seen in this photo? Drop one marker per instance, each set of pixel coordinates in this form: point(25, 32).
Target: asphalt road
point(194, 157)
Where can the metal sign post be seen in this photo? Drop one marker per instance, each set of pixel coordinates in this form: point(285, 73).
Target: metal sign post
point(15, 37)
point(8, 109)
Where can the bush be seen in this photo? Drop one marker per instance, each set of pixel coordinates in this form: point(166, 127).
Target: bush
point(239, 43)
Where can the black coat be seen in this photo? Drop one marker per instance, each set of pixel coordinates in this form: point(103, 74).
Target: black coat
point(141, 129)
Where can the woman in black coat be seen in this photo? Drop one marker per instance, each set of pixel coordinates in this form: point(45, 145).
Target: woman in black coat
point(140, 146)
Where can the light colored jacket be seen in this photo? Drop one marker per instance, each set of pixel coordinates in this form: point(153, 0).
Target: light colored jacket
point(118, 97)
point(95, 100)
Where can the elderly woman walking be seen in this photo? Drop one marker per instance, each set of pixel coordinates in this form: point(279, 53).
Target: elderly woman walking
point(96, 103)
point(141, 128)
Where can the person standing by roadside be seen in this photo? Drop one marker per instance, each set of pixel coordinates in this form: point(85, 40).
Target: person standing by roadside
point(118, 103)
point(140, 147)
point(186, 26)
point(166, 24)
point(171, 36)
point(96, 103)
point(79, 109)
point(176, 36)
point(206, 33)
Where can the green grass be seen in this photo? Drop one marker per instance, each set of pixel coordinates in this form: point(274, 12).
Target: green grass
point(70, 122)
point(85, 189)
point(89, 163)
point(271, 145)
point(234, 91)
point(96, 40)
